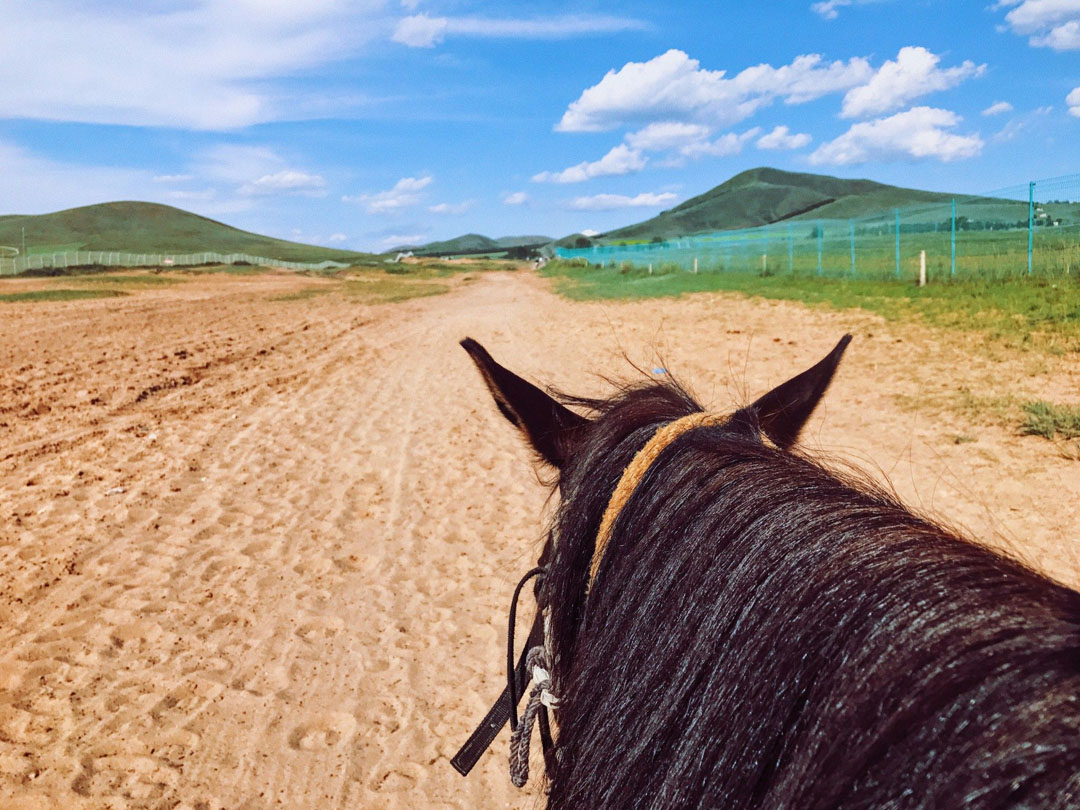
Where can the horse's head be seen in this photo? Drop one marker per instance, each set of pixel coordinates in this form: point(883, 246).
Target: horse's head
point(601, 458)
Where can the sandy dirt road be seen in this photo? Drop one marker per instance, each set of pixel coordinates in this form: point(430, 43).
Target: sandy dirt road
point(257, 553)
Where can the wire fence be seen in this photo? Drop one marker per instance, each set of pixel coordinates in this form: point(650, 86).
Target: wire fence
point(15, 264)
point(1033, 229)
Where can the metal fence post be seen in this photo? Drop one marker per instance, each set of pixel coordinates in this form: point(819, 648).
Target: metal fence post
point(851, 225)
point(898, 243)
point(953, 271)
point(791, 248)
point(819, 241)
point(1031, 221)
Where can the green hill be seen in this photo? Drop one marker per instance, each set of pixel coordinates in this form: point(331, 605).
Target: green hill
point(141, 227)
point(763, 196)
point(476, 243)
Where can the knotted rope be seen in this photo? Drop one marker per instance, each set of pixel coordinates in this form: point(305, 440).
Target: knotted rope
point(521, 737)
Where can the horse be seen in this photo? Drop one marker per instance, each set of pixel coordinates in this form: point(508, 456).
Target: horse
point(732, 624)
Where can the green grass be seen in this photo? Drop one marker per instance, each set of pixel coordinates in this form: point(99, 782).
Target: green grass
point(1050, 421)
point(370, 289)
point(1027, 313)
point(146, 280)
point(59, 295)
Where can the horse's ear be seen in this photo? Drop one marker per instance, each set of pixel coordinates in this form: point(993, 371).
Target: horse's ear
point(551, 428)
point(782, 412)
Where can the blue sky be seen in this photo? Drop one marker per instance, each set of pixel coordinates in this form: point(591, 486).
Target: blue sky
point(373, 123)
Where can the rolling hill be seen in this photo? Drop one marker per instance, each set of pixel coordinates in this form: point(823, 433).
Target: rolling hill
point(141, 227)
point(763, 196)
point(476, 243)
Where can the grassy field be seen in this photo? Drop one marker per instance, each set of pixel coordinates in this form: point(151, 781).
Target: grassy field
point(793, 249)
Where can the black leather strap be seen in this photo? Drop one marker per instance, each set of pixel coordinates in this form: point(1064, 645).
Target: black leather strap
point(498, 715)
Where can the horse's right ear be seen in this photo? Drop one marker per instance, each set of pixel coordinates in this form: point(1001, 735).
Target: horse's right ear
point(551, 428)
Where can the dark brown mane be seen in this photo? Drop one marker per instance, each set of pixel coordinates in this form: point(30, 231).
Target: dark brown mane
point(764, 632)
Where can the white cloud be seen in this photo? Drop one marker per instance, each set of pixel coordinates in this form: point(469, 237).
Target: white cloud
point(828, 8)
point(286, 181)
point(187, 196)
point(919, 133)
point(782, 138)
point(913, 73)
point(201, 64)
point(664, 135)
point(608, 202)
point(404, 194)
point(673, 87)
point(620, 160)
point(400, 240)
point(337, 237)
point(515, 198)
point(727, 144)
point(1047, 23)
point(420, 31)
point(590, 232)
point(171, 178)
point(424, 31)
point(997, 108)
point(1073, 102)
point(451, 208)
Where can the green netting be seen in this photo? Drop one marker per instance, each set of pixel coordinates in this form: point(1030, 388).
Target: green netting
point(1033, 228)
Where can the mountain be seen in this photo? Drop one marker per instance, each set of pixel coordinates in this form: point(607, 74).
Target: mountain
point(141, 227)
point(763, 196)
point(476, 243)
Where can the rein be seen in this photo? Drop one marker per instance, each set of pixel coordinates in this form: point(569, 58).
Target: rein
point(533, 662)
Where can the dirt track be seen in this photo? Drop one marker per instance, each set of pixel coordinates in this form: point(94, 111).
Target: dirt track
point(258, 553)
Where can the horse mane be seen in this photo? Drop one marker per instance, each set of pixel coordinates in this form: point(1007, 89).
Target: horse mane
point(766, 632)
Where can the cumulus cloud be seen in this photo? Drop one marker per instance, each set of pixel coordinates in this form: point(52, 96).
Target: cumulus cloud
point(337, 237)
point(133, 63)
point(828, 8)
point(664, 135)
point(620, 160)
point(515, 198)
point(920, 133)
point(782, 138)
point(287, 181)
point(997, 108)
point(1073, 102)
point(1046, 23)
point(912, 74)
point(404, 194)
point(609, 202)
point(171, 178)
point(451, 208)
point(424, 31)
point(727, 144)
point(674, 87)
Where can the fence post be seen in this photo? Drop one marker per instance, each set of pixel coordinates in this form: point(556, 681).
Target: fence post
point(819, 241)
point(791, 248)
point(953, 271)
point(898, 243)
point(922, 268)
point(851, 226)
point(1031, 221)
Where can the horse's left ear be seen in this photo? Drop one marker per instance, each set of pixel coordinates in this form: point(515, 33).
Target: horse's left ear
point(551, 428)
point(782, 413)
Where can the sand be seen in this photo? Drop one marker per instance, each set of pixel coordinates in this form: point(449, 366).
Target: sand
point(258, 553)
